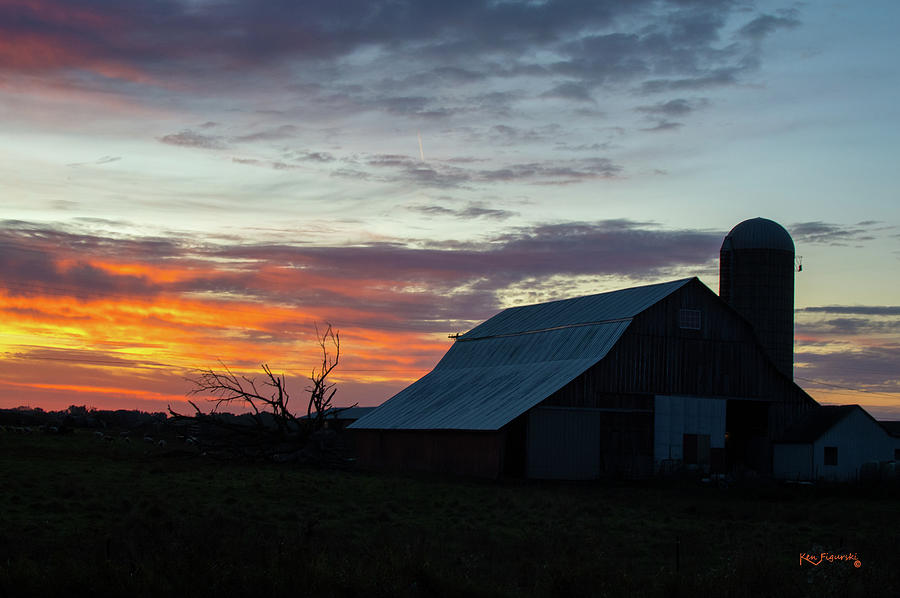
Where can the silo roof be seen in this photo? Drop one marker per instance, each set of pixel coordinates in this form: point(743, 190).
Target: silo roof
point(758, 233)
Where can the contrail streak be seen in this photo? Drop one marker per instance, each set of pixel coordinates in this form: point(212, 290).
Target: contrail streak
point(421, 151)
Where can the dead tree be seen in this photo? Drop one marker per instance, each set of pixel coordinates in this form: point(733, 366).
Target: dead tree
point(322, 391)
point(266, 400)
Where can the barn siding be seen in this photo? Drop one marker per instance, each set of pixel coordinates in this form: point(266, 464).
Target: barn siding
point(722, 359)
point(793, 462)
point(676, 416)
point(580, 443)
point(460, 452)
point(859, 439)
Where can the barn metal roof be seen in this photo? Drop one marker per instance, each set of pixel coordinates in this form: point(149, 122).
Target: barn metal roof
point(513, 361)
point(615, 305)
point(486, 383)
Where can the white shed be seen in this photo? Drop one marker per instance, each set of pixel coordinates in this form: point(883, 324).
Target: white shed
point(831, 443)
point(893, 428)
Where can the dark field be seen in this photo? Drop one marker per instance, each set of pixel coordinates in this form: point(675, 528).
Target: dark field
point(82, 515)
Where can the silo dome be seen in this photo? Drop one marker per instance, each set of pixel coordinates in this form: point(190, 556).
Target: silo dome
point(759, 233)
point(756, 277)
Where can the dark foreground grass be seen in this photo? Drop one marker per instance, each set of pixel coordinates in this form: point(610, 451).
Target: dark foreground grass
point(79, 515)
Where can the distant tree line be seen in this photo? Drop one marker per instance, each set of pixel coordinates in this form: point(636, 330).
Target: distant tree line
point(81, 416)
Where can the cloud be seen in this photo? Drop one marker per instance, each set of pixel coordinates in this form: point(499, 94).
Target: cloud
point(399, 168)
point(276, 133)
point(192, 139)
point(848, 327)
point(483, 55)
point(838, 235)
point(865, 310)
point(716, 78)
point(674, 108)
point(310, 156)
point(373, 281)
point(871, 368)
point(570, 91)
point(470, 212)
point(98, 162)
point(511, 135)
point(764, 25)
point(664, 125)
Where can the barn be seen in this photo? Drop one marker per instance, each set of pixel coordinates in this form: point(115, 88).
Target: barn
point(832, 443)
point(626, 383)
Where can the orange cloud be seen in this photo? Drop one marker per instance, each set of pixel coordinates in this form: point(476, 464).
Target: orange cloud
point(144, 322)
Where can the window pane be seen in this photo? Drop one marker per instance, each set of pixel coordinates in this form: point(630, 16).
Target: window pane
point(689, 318)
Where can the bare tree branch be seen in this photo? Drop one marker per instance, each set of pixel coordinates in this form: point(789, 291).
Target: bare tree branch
point(322, 391)
point(269, 397)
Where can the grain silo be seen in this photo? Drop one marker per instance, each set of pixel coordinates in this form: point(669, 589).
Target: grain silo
point(756, 277)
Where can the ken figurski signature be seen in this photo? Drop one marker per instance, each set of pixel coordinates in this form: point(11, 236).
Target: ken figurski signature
point(816, 559)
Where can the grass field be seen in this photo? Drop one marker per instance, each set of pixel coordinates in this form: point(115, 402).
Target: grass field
point(81, 515)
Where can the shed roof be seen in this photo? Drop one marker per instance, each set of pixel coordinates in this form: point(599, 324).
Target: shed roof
point(816, 422)
point(513, 361)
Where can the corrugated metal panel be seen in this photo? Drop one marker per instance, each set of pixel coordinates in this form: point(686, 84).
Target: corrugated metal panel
point(615, 305)
point(486, 383)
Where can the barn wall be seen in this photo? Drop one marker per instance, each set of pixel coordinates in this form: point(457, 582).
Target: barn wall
point(793, 462)
point(655, 356)
point(676, 416)
point(577, 443)
point(461, 452)
point(859, 439)
point(564, 443)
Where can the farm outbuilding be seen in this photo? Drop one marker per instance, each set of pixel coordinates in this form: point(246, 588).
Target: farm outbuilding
point(832, 443)
point(893, 428)
point(619, 383)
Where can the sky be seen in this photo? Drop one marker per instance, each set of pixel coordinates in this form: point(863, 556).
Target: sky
point(185, 183)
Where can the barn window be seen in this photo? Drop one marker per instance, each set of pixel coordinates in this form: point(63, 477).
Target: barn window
point(897, 454)
point(830, 455)
point(689, 319)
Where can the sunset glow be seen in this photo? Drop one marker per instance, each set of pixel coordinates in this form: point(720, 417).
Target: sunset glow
point(187, 184)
